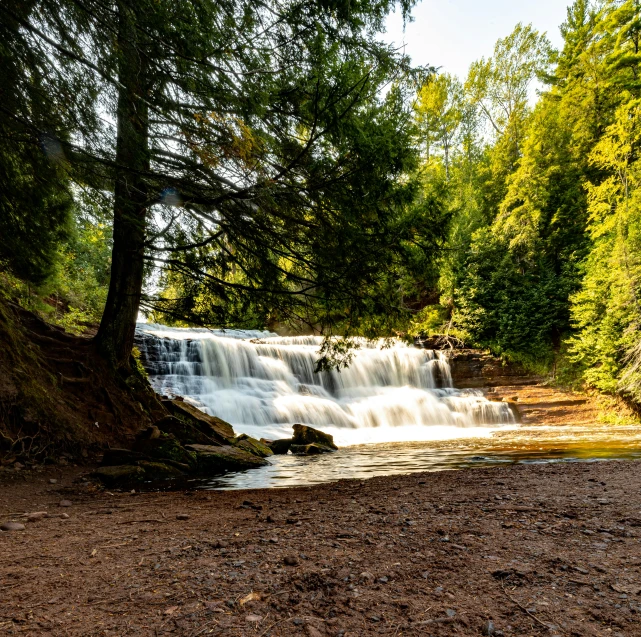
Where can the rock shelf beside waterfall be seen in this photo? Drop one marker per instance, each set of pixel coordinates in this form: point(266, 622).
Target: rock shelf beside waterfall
point(160, 455)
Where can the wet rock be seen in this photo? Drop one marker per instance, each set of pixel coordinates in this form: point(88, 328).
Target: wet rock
point(279, 447)
point(159, 470)
point(213, 460)
point(253, 446)
point(119, 475)
point(118, 457)
point(477, 369)
point(184, 431)
point(65, 503)
point(514, 408)
point(12, 526)
point(310, 450)
point(304, 435)
point(217, 429)
point(165, 447)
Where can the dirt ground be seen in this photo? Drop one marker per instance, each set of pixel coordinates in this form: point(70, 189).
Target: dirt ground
point(519, 550)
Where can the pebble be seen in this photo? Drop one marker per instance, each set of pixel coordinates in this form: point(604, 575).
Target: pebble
point(488, 628)
point(182, 516)
point(291, 560)
point(254, 619)
point(38, 515)
point(313, 632)
point(450, 613)
point(12, 526)
point(65, 503)
point(53, 481)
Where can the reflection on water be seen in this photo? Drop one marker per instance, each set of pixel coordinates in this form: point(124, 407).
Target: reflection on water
point(522, 446)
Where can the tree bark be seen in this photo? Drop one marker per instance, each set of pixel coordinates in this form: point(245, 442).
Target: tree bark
point(115, 336)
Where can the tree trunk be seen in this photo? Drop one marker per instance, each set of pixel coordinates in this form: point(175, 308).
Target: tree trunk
point(115, 337)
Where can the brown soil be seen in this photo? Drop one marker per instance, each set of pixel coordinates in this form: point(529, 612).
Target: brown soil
point(537, 550)
point(57, 395)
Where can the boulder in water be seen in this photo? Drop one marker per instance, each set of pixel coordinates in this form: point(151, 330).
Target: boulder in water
point(122, 474)
point(304, 435)
point(313, 449)
point(219, 430)
point(213, 460)
point(279, 447)
point(253, 446)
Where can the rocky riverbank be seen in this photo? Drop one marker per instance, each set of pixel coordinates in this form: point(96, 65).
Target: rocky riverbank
point(191, 443)
point(523, 550)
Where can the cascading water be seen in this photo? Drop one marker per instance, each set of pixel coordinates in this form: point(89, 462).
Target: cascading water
point(262, 384)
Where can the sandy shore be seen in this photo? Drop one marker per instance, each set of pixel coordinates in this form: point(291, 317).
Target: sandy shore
point(534, 550)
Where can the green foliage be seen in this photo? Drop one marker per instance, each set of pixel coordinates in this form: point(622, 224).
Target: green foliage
point(517, 313)
point(606, 310)
point(542, 260)
point(428, 321)
point(35, 205)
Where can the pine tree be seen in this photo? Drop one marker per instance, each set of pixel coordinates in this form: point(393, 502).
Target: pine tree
point(246, 145)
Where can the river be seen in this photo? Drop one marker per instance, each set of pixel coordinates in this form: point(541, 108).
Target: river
point(394, 410)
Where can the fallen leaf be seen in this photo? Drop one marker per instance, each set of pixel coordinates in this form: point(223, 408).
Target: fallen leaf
point(250, 597)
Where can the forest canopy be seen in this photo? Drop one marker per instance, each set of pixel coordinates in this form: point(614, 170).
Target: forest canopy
point(254, 162)
point(265, 164)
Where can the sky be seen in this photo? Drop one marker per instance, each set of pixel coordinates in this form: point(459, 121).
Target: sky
point(454, 33)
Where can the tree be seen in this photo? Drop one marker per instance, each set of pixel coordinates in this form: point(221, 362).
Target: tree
point(439, 114)
point(500, 85)
point(607, 309)
point(241, 138)
point(35, 198)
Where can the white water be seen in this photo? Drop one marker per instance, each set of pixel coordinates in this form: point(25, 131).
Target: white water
point(263, 384)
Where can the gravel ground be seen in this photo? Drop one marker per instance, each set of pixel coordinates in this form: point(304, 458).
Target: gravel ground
point(521, 550)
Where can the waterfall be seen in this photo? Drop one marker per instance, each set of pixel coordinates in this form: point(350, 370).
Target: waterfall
point(262, 383)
